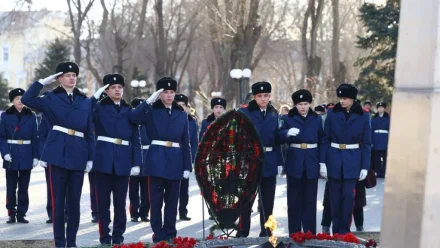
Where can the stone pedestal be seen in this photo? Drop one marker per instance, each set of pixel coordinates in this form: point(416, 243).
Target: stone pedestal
point(411, 216)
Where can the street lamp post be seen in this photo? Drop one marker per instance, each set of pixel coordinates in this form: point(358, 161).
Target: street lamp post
point(138, 85)
point(239, 74)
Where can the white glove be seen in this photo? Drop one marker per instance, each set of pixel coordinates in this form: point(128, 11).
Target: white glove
point(280, 169)
point(323, 170)
point(42, 164)
point(186, 174)
point(293, 132)
point(89, 166)
point(8, 158)
point(35, 163)
point(99, 91)
point(135, 171)
point(363, 174)
point(154, 97)
point(50, 79)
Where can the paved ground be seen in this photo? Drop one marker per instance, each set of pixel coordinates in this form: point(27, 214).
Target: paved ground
point(88, 233)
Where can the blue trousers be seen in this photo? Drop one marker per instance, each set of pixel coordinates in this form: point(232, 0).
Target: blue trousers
point(163, 190)
point(92, 182)
point(301, 204)
point(184, 197)
point(65, 184)
point(49, 197)
point(342, 194)
point(139, 206)
point(106, 185)
point(17, 202)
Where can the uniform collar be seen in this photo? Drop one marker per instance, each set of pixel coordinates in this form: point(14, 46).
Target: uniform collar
point(294, 111)
point(253, 106)
point(356, 108)
point(13, 110)
point(75, 91)
point(385, 114)
point(109, 101)
point(159, 104)
point(211, 117)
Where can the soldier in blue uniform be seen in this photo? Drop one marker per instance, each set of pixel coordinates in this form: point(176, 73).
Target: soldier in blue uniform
point(118, 156)
point(265, 119)
point(169, 155)
point(380, 126)
point(302, 130)
point(19, 149)
point(218, 106)
point(345, 154)
point(138, 185)
point(69, 147)
point(182, 100)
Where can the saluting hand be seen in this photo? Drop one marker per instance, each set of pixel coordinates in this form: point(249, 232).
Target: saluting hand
point(99, 91)
point(50, 79)
point(154, 96)
point(8, 158)
point(135, 171)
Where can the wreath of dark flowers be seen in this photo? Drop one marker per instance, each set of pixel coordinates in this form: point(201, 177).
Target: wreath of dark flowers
point(228, 167)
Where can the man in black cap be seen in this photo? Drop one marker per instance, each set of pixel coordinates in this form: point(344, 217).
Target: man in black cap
point(218, 106)
point(367, 106)
point(265, 119)
point(169, 156)
point(345, 153)
point(69, 147)
point(321, 110)
point(182, 100)
point(118, 156)
point(380, 126)
point(19, 149)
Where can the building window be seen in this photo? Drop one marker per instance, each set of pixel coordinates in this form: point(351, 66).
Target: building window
point(5, 54)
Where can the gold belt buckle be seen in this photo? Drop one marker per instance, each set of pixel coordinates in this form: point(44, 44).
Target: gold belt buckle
point(20, 142)
point(118, 141)
point(168, 144)
point(342, 146)
point(71, 132)
point(303, 145)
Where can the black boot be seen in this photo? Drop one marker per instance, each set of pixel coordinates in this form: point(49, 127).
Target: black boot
point(359, 229)
point(326, 229)
point(185, 218)
point(134, 219)
point(11, 220)
point(145, 219)
point(49, 221)
point(21, 219)
point(94, 219)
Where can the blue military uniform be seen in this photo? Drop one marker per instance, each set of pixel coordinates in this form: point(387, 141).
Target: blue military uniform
point(205, 123)
point(346, 151)
point(168, 157)
point(18, 138)
point(117, 151)
point(69, 146)
point(138, 185)
point(267, 126)
point(302, 164)
point(380, 126)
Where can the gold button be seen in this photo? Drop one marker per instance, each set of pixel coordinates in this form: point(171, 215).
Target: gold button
point(169, 144)
point(342, 146)
point(118, 141)
point(71, 132)
point(303, 146)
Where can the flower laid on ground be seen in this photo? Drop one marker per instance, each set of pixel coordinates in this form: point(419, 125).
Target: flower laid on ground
point(134, 245)
point(179, 242)
point(301, 237)
point(211, 237)
point(371, 243)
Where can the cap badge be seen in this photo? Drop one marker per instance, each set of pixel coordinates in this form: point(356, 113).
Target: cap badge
point(169, 84)
point(70, 66)
point(301, 96)
point(340, 92)
point(114, 78)
point(262, 87)
point(219, 100)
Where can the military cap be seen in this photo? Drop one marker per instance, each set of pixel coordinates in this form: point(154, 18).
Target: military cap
point(181, 98)
point(135, 102)
point(347, 90)
point(302, 96)
point(368, 102)
point(114, 79)
point(218, 101)
point(320, 108)
point(261, 87)
point(15, 92)
point(381, 104)
point(166, 83)
point(65, 67)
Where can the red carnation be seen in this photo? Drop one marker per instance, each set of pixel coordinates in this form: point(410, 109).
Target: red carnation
point(371, 243)
point(210, 236)
point(309, 235)
point(350, 238)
